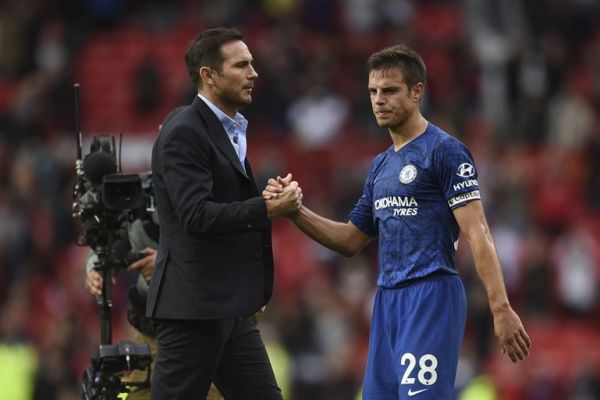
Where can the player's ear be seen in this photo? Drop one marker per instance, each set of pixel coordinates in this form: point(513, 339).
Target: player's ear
point(416, 92)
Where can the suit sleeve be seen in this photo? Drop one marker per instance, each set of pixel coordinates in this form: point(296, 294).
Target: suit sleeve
point(189, 183)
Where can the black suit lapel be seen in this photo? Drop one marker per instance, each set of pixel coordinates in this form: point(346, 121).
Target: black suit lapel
point(251, 177)
point(217, 133)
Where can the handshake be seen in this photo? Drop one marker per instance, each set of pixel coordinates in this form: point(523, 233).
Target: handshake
point(283, 197)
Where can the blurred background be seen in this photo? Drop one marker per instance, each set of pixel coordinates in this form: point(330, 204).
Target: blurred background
point(517, 81)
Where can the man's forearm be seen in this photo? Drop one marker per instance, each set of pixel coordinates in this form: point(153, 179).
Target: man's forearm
point(489, 272)
point(331, 234)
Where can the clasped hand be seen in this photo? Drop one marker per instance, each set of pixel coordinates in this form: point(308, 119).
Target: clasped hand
point(282, 196)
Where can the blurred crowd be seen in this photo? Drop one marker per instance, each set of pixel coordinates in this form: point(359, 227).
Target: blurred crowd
point(517, 81)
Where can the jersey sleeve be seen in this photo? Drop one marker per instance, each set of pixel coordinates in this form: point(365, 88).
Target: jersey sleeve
point(457, 173)
point(362, 213)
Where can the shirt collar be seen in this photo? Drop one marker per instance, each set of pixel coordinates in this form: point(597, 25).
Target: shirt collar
point(228, 123)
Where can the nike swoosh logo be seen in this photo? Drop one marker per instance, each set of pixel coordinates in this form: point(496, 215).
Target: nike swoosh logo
point(416, 392)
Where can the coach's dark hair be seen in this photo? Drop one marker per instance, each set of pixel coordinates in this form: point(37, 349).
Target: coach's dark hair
point(205, 50)
point(403, 57)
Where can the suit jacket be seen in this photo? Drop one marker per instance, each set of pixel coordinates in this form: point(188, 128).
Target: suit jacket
point(214, 258)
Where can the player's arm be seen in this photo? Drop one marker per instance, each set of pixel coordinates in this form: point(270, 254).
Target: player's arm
point(344, 238)
point(508, 327)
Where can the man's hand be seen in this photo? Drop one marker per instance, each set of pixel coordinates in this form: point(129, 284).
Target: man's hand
point(282, 196)
point(145, 266)
point(93, 282)
point(511, 335)
point(275, 187)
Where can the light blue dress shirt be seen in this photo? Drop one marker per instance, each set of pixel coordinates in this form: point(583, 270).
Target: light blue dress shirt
point(235, 127)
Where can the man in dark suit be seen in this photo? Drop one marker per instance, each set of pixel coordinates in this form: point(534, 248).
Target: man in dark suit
point(214, 267)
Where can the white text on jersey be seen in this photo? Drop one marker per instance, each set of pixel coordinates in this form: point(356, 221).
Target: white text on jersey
point(395, 201)
point(465, 184)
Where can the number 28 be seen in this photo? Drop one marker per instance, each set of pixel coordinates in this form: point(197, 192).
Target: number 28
point(427, 374)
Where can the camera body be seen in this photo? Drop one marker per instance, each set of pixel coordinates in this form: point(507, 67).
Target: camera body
point(106, 201)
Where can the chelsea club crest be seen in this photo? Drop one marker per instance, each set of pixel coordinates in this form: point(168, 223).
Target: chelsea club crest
point(408, 174)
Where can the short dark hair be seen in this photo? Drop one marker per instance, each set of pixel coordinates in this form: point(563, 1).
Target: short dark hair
point(402, 57)
point(205, 50)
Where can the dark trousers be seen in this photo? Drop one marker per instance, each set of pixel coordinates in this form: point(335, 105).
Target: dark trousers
point(229, 352)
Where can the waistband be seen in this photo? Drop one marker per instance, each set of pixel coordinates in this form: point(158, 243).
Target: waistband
point(433, 276)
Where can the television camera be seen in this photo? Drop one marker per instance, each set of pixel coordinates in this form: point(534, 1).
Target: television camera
point(106, 201)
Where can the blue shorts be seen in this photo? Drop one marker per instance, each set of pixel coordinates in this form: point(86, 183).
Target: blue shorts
point(416, 333)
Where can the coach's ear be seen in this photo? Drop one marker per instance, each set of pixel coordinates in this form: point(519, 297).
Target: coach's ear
point(206, 75)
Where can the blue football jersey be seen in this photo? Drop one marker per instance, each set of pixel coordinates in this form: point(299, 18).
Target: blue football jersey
point(408, 200)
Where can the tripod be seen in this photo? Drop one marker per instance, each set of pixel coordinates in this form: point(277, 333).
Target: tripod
point(102, 380)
